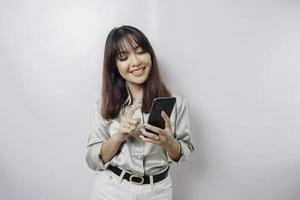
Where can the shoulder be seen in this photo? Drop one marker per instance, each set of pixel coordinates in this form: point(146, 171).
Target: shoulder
point(177, 94)
point(99, 105)
point(180, 98)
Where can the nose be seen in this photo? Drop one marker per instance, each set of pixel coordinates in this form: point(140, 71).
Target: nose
point(135, 61)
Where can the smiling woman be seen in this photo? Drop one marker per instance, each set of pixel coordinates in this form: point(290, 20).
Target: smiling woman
point(126, 50)
point(119, 148)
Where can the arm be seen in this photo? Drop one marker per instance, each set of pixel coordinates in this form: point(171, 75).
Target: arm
point(182, 132)
point(101, 146)
point(127, 128)
point(110, 147)
point(98, 135)
point(178, 147)
point(164, 138)
point(174, 149)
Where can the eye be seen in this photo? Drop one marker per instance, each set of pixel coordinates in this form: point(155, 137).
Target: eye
point(123, 58)
point(140, 50)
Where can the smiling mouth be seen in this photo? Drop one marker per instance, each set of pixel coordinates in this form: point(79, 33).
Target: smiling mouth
point(138, 72)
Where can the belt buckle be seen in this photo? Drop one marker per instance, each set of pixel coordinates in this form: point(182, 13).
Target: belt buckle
point(136, 182)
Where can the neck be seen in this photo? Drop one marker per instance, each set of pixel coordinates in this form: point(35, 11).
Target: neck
point(136, 91)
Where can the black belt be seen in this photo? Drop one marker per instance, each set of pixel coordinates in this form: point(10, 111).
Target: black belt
point(138, 179)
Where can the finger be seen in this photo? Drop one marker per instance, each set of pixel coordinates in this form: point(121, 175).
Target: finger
point(146, 139)
point(129, 130)
point(154, 129)
point(131, 110)
point(125, 124)
point(131, 121)
point(130, 127)
point(133, 128)
point(135, 120)
point(150, 135)
point(167, 120)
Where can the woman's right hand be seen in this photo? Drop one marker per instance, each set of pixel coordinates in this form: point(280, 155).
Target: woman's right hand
point(129, 124)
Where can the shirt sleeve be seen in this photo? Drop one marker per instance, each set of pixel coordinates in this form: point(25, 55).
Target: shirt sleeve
point(98, 135)
point(182, 132)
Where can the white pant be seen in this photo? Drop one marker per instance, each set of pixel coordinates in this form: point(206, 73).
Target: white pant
point(109, 186)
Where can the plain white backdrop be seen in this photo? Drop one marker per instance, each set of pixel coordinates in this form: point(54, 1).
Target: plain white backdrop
point(237, 62)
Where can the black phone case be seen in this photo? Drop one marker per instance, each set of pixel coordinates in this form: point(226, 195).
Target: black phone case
point(165, 104)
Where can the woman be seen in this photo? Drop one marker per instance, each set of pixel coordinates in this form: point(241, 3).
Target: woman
point(133, 163)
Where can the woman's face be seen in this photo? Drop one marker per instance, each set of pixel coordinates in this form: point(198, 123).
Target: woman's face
point(134, 64)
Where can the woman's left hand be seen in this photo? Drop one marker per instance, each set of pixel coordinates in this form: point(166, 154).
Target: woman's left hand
point(163, 137)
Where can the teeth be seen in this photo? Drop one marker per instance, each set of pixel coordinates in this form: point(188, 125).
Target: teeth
point(139, 70)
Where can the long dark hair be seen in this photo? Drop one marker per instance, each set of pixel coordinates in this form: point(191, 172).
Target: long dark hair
point(114, 91)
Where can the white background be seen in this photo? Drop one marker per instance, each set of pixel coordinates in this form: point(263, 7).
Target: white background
point(237, 62)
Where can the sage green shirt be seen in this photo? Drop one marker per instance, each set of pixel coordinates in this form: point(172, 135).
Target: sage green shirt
point(135, 155)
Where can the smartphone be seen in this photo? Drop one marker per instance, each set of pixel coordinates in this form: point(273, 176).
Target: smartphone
point(165, 104)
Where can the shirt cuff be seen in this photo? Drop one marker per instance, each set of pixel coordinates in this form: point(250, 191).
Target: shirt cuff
point(94, 158)
point(185, 155)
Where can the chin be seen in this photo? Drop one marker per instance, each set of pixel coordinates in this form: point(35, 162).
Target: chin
point(138, 81)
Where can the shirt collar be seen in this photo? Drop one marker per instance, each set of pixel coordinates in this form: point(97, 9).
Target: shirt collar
point(129, 100)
